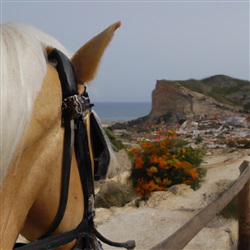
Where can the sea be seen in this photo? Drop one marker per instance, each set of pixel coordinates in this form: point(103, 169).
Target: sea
point(121, 111)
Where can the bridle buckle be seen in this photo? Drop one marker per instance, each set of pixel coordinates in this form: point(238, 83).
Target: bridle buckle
point(77, 105)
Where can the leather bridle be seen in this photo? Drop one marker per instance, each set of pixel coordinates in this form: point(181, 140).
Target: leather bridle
point(76, 109)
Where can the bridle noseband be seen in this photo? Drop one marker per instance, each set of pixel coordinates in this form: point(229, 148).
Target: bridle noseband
point(75, 108)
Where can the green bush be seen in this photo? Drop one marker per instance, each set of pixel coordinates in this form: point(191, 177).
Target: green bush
point(118, 145)
point(160, 164)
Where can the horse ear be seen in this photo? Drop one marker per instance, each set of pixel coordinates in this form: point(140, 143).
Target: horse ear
point(87, 58)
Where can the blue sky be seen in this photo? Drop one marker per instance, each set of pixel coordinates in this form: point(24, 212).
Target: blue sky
point(173, 40)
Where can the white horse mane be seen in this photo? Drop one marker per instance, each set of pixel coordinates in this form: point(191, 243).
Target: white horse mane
point(22, 69)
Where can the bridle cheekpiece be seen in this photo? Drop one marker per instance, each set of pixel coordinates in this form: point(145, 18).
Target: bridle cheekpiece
point(76, 109)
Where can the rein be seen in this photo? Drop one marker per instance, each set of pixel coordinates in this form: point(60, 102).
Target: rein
point(76, 109)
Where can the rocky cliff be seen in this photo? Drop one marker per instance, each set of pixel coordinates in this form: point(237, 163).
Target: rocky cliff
point(174, 101)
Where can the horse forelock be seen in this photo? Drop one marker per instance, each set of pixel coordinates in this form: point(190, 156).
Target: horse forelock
point(22, 70)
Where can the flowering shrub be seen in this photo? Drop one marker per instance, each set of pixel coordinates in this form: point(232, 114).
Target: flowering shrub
point(160, 164)
point(238, 143)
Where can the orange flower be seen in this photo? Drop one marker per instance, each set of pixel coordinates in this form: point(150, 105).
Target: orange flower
point(140, 187)
point(153, 158)
point(192, 172)
point(166, 166)
point(166, 138)
point(138, 162)
point(134, 150)
point(162, 162)
point(151, 186)
point(165, 182)
point(154, 150)
point(170, 131)
point(183, 164)
point(146, 145)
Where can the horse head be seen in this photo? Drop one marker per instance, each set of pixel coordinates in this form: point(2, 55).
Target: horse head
point(32, 137)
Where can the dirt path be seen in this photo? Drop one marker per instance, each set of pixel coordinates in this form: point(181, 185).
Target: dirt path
point(166, 211)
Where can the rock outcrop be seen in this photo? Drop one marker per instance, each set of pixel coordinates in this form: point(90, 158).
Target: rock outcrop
point(175, 101)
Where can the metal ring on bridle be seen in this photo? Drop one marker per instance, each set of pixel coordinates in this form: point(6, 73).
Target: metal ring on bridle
point(77, 105)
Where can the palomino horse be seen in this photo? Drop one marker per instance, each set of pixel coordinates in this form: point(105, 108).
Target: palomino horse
point(32, 135)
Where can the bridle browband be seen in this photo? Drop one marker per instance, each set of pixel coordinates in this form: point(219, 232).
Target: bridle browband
point(75, 108)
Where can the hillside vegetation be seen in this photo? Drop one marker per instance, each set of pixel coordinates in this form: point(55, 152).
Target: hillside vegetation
point(223, 89)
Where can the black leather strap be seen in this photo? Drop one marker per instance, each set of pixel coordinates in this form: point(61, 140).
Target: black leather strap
point(57, 240)
point(85, 171)
point(67, 156)
point(85, 231)
point(69, 87)
point(66, 73)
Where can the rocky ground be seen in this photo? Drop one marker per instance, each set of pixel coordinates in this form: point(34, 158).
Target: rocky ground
point(213, 131)
point(164, 212)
